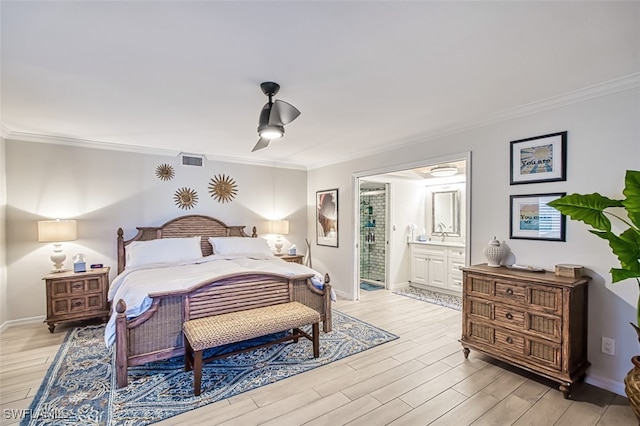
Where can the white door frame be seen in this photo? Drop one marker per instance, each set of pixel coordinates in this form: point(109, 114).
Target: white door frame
point(396, 168)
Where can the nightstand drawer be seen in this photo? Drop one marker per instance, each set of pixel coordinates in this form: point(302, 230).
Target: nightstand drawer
point(71, 287)
point(77, 305)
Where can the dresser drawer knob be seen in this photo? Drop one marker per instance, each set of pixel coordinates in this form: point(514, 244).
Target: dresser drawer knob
point(509, 316)
point(509, 340)
point(510, 292)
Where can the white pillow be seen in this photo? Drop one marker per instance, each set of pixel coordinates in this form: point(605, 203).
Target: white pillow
point(162, 250)
point(245, 246)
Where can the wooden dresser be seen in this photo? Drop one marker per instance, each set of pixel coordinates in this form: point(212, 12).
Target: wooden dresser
point(75, 296)
point(532, 320)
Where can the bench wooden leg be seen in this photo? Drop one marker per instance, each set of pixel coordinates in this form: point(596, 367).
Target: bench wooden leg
point(197, 372)
point(316, 340)
point(188, 355)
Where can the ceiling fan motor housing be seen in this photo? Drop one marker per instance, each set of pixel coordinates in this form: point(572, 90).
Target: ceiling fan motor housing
point(270, 88)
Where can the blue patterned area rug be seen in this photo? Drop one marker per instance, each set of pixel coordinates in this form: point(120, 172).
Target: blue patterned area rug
point(446, 300)
point(79, 387)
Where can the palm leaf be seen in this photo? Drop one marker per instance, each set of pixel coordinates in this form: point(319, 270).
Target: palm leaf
point(626, 247)
point(632, 194)
point(587, 208)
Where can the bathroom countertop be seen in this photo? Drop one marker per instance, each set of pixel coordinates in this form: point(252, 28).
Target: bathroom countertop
point(439, 243)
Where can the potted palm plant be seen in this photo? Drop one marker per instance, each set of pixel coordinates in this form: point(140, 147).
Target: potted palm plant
point(595, 211)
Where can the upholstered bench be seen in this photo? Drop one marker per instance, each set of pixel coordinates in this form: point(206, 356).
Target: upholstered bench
point(212, 331)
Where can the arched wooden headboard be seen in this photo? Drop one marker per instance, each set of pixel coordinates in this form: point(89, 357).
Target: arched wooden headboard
point(182, 227)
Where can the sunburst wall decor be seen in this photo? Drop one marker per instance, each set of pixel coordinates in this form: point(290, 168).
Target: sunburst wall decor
point(223, 188)
point(165, 172)
point(185, 198)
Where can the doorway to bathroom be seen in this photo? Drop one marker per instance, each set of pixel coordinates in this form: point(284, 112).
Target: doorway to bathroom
point(373, 235)
point(411, 219)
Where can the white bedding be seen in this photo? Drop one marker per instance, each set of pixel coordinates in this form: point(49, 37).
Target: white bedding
point(134, 285)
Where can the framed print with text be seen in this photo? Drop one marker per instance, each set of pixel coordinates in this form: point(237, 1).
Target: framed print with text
point(539, 159)
point(327, 218)
point(533, 219)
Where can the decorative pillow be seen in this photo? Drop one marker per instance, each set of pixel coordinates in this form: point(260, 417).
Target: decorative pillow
point(244, 246)
point(162, 250)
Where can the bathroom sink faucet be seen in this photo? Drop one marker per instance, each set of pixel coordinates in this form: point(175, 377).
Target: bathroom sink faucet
point(441, 227)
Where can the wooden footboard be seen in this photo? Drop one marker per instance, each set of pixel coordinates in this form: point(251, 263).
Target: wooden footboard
point(157, 333)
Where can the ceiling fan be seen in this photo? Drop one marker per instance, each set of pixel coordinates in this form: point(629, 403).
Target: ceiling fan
point(273, 117)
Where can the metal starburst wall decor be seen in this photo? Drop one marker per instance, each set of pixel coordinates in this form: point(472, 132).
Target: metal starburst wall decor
point(223, 188)
point(185, 198)
point(165, 172)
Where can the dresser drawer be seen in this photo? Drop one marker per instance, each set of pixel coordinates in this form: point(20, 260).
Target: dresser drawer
point(509, 317)
point(509, 341)
point(512, 344)
point(510, 292)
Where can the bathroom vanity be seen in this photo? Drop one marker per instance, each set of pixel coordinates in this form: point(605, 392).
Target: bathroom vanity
point(437, 265)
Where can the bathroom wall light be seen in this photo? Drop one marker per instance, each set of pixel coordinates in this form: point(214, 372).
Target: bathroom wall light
point(443, 171)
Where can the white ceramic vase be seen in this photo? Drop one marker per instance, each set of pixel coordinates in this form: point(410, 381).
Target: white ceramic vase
point(495, 252)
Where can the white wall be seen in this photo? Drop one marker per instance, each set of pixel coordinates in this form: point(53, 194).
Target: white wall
point(3, 243)
point(406, 205)
point(603, 141)
point(105, 190)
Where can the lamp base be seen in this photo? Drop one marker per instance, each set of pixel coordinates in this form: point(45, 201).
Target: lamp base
point(278, 246)
point(58, 258)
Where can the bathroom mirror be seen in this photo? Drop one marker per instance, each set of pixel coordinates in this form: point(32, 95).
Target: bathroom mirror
point(445, 211)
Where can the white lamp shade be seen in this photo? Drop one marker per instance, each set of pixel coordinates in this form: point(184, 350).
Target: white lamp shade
point(279, 227)
point(55, 231)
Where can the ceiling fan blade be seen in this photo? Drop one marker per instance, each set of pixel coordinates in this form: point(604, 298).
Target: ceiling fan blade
point(282, 113)
point(262, 143)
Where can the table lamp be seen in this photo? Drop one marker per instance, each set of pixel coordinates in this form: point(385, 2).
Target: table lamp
point(57, 231)
point(279, 228)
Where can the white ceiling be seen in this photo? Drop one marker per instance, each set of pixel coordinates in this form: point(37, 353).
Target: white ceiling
point(366, 75)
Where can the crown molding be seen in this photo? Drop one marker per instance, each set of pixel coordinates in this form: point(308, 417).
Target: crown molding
point(628, 82)
point(84, 143)
point(621, 84)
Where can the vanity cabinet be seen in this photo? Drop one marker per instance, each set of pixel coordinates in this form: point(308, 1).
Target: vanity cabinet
point(436, 266)
point(533, 320)
point(455, 263)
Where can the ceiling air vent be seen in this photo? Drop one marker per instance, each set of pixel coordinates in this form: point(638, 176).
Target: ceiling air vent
point(192, 160)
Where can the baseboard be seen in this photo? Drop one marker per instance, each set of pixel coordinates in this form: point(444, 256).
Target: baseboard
point(343, 295)
point(399, 286)
point(12, 323)
point(606, 384)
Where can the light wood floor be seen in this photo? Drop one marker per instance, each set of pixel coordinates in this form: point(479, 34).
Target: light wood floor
point(421, 378)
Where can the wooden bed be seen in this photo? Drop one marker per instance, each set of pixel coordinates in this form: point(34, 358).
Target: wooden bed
point(157, 333)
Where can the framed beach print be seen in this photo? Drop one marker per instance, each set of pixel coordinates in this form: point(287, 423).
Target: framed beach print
point(533, 219)
point(539, 159)
point(327, 218)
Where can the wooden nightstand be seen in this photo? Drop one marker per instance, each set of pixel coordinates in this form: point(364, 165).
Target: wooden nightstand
point(293, 258)
point(74, 296)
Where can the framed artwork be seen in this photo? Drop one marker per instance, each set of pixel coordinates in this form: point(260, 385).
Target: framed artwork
point(533, 219)
point(327, 218)
point(539, 159)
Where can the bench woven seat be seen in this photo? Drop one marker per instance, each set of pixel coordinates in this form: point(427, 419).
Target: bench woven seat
point(217, 330)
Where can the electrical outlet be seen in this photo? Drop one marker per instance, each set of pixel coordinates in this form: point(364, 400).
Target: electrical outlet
point(608, 346)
